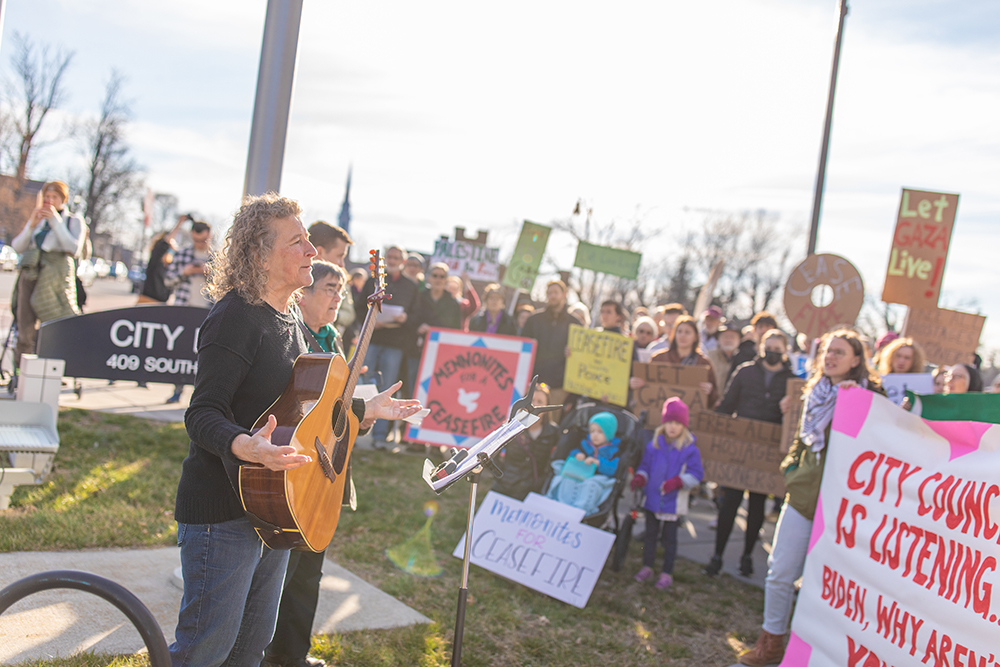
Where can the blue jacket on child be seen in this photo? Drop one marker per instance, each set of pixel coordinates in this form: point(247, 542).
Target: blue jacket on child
point(606, 455)
point(664, 462)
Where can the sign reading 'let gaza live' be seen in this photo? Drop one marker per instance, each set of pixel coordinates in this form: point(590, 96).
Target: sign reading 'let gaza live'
point(144, 343)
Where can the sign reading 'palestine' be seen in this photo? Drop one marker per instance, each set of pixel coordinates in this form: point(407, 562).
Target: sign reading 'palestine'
point(919, 248)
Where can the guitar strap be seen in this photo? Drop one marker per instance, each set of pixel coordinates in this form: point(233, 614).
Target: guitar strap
point(350, 494)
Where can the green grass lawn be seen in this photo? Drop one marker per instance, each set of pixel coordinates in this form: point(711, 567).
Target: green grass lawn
point(114, 484)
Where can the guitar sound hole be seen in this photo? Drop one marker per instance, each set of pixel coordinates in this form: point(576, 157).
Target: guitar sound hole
point(339, 419)
point(339, 457)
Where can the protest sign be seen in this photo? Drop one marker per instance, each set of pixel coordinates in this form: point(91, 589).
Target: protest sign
point(141, 343)
point(468, 382)
point(523, 267)
point(846, 291)
point(665, 381)
point(919, 248)
point(598, 364)
point(897, 384)
point(790, 420)
point(613, 261)
point(539, 544)
point(947, 336)
point(740, 453)
point(902, 559)
point(479, 261)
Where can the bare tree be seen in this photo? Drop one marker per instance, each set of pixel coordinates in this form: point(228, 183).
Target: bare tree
point(36, 90)
point(112, 178)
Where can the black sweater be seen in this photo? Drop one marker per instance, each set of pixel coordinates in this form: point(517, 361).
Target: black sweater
point(551, 331)
point(748, 396)
point(245, 359)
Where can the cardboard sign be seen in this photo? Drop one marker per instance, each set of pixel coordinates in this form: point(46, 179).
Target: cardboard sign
point(919, 248)
point(613, 261)
point(902, 560)
point(598, 365)
point(539, 544)
point(814, 271)
point(468, 382)
point(897, 384)
point(523, 267)
point(790, 420)
point(141, 343)
point(947, 336)
point(479, 261)
point(665, 381)
point(740, 453)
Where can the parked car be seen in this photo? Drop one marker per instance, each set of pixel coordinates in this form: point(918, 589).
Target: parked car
point(101, 267)
point(86, 272)
point(8, 258)
point(137, 275)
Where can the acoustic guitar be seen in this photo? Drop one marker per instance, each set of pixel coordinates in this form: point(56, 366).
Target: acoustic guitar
point(300, 508)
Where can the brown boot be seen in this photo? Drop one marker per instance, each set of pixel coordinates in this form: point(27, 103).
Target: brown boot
point(769, 650)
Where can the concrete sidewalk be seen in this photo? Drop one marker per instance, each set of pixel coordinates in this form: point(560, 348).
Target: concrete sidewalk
point(61, 622)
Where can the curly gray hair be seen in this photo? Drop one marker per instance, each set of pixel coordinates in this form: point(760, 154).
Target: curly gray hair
point(239, 266)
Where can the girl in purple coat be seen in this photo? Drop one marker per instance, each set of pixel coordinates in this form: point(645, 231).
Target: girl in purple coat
point(671, 463)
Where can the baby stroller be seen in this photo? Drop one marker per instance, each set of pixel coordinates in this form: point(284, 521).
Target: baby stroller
point(574, 428)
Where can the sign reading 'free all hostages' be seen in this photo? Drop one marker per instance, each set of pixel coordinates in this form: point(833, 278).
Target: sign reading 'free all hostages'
point(468, 382)
point(143, 343)
point(919, 248)
point(539, 543)
point(598, 365)
point(479, 261)
point(902, 559)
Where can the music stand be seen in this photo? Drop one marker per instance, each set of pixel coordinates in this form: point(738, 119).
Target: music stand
point(469, 464)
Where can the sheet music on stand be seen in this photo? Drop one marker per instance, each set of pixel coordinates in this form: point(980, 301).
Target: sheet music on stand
point(466, 460)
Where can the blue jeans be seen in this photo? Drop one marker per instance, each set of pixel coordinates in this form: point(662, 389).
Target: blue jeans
point(232, 584)
point(383, 370)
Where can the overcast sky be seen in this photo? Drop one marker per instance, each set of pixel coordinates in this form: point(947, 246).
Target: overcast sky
point(458, 113)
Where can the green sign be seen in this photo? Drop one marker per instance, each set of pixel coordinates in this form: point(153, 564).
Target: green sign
point(621, 263)
point(523, 267)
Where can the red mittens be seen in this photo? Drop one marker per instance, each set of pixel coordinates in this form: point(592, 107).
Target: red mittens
point(671, 484)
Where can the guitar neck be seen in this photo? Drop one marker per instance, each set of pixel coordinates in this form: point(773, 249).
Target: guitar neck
point(357, 359)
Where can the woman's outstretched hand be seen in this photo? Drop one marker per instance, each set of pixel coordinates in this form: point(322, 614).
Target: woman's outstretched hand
point(384, 406)
point(257, 448)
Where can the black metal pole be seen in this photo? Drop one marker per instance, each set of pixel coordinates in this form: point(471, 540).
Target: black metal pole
point(463, 591)
point(116, 594)
point(824, 149)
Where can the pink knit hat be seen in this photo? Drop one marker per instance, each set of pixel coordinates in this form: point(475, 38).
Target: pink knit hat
point(674, 410)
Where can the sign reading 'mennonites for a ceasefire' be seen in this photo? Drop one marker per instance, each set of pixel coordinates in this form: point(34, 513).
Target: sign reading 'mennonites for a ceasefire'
point(902, 559)
point(539, 543)
point(479, 261)
point(598, 365)
point(663, 381)
point(142, 343)
point(947, 336)
point(523, 267)
point(468, 382)
point(919, 248)
point(740, 453)
point(613, 261)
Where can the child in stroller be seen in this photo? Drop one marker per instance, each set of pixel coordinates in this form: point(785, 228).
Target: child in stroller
point(587, 476)
point(670, 466)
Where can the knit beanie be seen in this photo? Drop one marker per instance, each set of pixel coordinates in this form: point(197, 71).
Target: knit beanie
point(607, 422)
point(674, 410)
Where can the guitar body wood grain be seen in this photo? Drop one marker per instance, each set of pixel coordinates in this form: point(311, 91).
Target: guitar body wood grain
point(303, 505)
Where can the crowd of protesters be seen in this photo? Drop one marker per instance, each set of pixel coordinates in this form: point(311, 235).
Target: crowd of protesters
point(748, 368)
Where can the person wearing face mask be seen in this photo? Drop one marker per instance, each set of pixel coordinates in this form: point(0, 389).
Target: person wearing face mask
point(755, 392)
point(722, 356)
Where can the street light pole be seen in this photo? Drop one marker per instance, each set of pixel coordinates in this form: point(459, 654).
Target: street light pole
point(274, 97)
point(824, 149)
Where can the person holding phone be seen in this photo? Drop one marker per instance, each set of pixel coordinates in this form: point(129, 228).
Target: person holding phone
point(186, 275)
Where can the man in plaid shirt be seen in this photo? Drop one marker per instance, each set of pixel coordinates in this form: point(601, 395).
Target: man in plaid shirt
point(186, 274)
